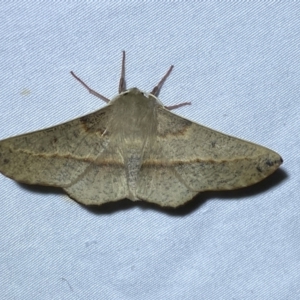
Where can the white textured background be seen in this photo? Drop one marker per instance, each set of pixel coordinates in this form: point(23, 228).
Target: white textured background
point(238, 63)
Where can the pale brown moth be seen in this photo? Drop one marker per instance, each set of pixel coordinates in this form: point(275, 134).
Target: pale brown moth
point(135, 148)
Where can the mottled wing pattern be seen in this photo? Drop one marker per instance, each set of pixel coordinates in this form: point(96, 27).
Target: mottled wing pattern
point(76, 156)
point(189, 158)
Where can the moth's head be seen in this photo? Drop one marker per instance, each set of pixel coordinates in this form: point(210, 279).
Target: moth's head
point(134, 95)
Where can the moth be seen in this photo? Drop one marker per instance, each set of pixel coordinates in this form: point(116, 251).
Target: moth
point(135, 148)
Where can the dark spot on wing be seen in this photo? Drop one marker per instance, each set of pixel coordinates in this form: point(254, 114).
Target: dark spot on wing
point(258, 169)
point(94, 122)
point(269, 163)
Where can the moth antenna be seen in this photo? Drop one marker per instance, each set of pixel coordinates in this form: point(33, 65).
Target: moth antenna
point(91, 91)
point(122, 83)
point(157, 88)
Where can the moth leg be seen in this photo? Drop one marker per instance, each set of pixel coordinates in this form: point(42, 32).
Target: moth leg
point(177, 105)
point(91, 91)
point(157, 88)
point(122, 83)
